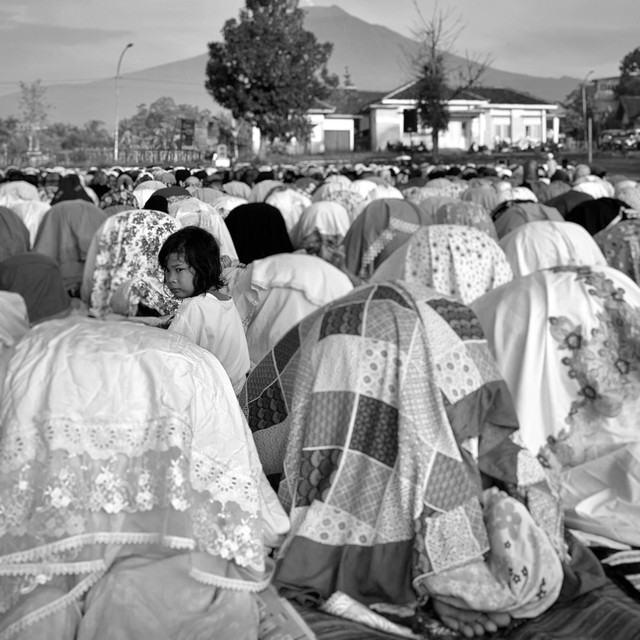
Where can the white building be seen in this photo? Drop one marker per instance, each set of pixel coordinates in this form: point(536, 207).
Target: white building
point(368, 121)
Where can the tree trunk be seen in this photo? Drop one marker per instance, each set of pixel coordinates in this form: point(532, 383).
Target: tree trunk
point(435, 137)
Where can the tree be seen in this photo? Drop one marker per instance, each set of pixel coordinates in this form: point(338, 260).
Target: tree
point(34, 109)
point(269, 70)
point(158, 125)
point(436, 83)
point(629, 84)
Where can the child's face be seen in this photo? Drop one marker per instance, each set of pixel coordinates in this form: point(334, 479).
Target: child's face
point(178, 276)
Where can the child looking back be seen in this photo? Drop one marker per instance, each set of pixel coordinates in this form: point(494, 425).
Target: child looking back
point(190, 260)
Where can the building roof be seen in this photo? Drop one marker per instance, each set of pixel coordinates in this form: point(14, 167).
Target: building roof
point(348, 101)
point(494, 95)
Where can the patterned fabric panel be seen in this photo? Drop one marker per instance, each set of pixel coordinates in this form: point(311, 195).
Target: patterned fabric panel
point(461, 319)
point(269, 409)
point(317, 471)
point(343, 319)
point(286, 348)
point(375, 430)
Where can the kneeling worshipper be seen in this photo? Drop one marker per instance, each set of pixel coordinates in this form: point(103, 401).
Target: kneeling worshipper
point(258, 230)
point(273, 294)
point(65, 234)
point(38, 279)
point(598, 215)
point(133, 502)
point(409, 496)
point(321, 230)
point(546, 243)
point(459, 261)
point(384, 225)
point(469, 213)
point(121, 272)
point(14, 235)
point(510, 215)
point(620, 245)
point(567, 342)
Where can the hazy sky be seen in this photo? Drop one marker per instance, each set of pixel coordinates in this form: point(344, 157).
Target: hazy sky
point(81, 40)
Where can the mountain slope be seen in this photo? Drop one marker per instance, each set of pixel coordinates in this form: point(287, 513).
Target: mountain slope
point(377, 59)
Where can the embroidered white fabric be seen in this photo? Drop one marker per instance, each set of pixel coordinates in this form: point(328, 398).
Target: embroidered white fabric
point(118, 434)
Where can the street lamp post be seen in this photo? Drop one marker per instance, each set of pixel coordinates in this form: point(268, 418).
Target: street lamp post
point(584, 113)
point(116, 132)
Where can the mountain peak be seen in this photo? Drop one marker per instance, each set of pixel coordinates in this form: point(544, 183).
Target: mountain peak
point(375, 55)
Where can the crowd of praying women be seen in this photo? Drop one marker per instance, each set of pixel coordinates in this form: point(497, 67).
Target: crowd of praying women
point(405, 397)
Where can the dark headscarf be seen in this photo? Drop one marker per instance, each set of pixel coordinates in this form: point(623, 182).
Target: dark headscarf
point(567, 201)
point(38, 280)
point(596, 215)
point(258, 230)
point(14, 235)
point(157, 203)
point(70, 188)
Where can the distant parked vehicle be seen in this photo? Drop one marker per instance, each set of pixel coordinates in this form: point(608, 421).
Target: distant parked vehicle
point(619, 140)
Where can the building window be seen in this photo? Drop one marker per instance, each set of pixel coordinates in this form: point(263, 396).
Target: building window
point(532, 131)
point(502, 132)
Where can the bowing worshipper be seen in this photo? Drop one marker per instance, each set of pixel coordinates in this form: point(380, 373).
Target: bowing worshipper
point(225, 205)
point(559, 184)
point(598, 214)
point(14, 235)
point(471, 214)
point(273, 294)
point(237, 189)
point(531, 180)
point(151, 516)
point(382, 227)
point(144, 189)
point(512, 214)
point(321, 228)
point(331, 186)
point(119, 193)
point(194, 212)
point(486, 195)
point(121, 273)
point(262, 189)
point(65, 234)
point(290, 202)
point(566, 341)
point(70, 188)
point(620, 245)
point(567, 201)
point(349, 198)
point(458, 261)
point(546, 243)
point(38, 279)
point(24, 200)
point(258, 230)
point(389, 420)
point(157, 203)
point(428, 202)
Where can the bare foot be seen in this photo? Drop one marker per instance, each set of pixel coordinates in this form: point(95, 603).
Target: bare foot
point(470, 624)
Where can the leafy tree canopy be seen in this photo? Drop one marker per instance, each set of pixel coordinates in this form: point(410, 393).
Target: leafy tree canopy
point(269, 70)
point(157, 126)
point(630, 74)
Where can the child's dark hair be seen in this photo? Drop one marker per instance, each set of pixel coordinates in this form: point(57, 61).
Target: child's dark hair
point(200, 250)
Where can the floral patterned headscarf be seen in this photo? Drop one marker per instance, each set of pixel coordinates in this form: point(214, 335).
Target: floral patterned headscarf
point(128, 249)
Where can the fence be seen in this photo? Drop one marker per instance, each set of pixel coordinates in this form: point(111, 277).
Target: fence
point(104, 157)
